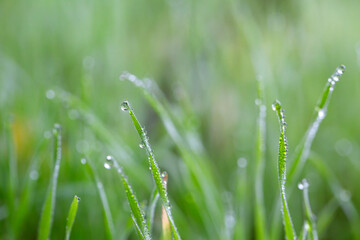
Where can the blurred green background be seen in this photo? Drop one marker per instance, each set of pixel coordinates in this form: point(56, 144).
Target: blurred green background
point(205, 56)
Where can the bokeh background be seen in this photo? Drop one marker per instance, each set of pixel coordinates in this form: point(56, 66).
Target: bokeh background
point(205, 57)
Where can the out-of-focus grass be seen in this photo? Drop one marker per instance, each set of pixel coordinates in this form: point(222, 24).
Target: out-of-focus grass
point(205, 57)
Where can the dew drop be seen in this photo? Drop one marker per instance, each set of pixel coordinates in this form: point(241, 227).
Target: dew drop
point(77, 198)
point(34, 175)
point(321, 114)
point(242, 162)
point(124, 106)
point(273, 106)
point(109, 162)
point(83, 161)
point(141, 145)
point(50, 94)
point(300, 186)
point(303, 184)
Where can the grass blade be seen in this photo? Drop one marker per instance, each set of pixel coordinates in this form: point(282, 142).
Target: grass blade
point(151, 208)
point(260, 218)
point(304, 231)
point(12, 175)
point(289, 229)
point(71, 216)
point(310, 218)
point(137, 213)
point(166, 231)
point(155, 171)
point(108, 220)
point(49, 205)
point(320, 113)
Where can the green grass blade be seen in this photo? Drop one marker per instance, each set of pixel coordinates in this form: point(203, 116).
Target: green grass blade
point(154, 168)
point(289, 229)
point(303, 150)
point(136, 211)
point(49, 205)
point(310, 218)
point(304, 231)
point(260, 218)
point(71, 216)
point(152, 206)
point(12, 174)
point(166, 229)
point(108, 220)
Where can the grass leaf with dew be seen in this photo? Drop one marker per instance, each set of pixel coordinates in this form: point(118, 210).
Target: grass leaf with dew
point(260, 218)
point(137, 213)
point(49, 205)
point(320, 113)
point(205, 193)
point(166, 231)
point(71, 216)
point(155, 171)
point(108, 220)
point(310, 218)
point(289, 229)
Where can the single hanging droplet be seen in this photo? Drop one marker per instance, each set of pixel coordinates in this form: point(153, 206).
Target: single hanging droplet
point(300, 186)
point(109, 162)
point(77, 198)
point(141, 145)
point(83, 161)
point(124, 106)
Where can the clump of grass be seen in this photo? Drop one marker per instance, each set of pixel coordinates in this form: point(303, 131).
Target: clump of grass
point(49, 205)
point(154, 168)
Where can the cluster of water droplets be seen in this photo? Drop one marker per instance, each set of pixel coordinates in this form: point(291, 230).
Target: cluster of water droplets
point(146, 83)
point(303, 184)
point(335, 77)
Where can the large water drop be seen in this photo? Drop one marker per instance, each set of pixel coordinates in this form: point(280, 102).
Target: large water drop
point(124, 106)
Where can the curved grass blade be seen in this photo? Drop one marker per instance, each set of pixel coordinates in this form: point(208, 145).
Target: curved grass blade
point(289, 229)
point(204, 192)
point(320, 113)
point(304, 231)
point(155, 171)
point(310, 218)
point(71, 216)
point(137, 213)
point(49, 205)
point(260, 218)
point(108, 221)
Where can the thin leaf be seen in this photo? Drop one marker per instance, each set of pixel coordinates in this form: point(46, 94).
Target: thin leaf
point(260, 217)
point(151, 208)
point(136, 211)
point(304, 231)
point(310, 218)
point(289, 229)
point(108, 220)
point(71, 216)
point(49, 204)
point(155, 171)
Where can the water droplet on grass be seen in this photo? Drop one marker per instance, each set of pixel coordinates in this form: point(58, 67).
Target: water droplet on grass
point(242, 162)
point(83, 161)
point(141, 145)
point(124, 106)
point(34, 175)
point(50, 94)
point(109, 162)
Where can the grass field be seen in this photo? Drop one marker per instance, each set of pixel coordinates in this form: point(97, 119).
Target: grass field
point(201, 77)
